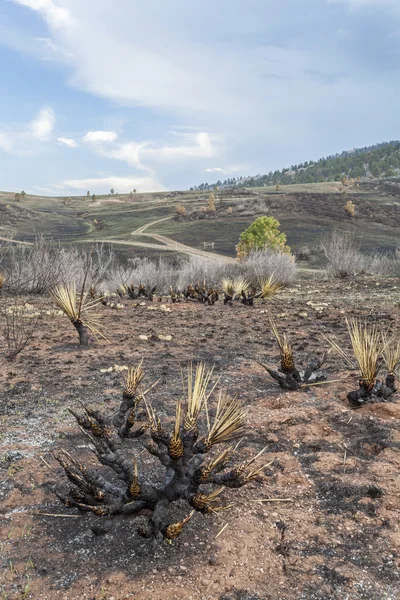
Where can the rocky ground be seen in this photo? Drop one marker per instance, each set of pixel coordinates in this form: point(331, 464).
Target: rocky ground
point(321, 524)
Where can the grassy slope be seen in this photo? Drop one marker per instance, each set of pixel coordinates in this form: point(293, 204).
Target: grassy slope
point(122, 215)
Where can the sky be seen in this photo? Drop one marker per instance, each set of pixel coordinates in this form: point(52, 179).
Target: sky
point(166, 94)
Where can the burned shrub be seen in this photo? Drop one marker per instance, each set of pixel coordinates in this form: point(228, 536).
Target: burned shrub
point(368, 345)
point(190, 477)
point(78, 308)
point(287, 375)
point(17, 327)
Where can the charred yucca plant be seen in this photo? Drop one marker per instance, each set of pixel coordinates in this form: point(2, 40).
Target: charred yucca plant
point(368, 347)
point(78, 308)
point(228, 289)
point(269, 286)
point(288, 376)
point(195, 472)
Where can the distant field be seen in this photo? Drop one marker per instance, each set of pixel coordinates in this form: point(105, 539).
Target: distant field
point(307, 213)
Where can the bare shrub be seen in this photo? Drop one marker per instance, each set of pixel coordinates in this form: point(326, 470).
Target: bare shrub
point(40, 266)
point(343, 255)
point(142, 271)
point(384, 264)
point(30, 268)
point(198, 269)
point(345, 258)
point(262, 264)
point(304, 253)
point(17, 327)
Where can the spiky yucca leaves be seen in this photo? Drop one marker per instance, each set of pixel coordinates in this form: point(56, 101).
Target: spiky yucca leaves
point(78, 309)
point(368, 345)
point(286, 350)
point(228, 287)
point(133, 378)
point(268, 286)
point(366, 342)
point(174, 529)
point(175, 446)
point(288, 376)
point(240, 286)
point(391, 352)
point(229, 423)
point(193, 478)
point(197, 395)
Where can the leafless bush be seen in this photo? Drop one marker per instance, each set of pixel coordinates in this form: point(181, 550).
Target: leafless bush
point(304, 253)
point(384, 264)
point(30, 268)
point(40, 266)
point(199, 269)
point(142, 271)
point(262, 264)
point(17, 327)
point(345, 258)
point(343, 255)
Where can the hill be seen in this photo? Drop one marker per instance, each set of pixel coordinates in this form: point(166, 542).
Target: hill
point(149, 225)
point(380, 160)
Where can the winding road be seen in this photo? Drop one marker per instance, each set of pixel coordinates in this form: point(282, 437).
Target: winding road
point(165, 244)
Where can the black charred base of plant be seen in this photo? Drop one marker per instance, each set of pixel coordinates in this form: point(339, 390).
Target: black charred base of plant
point(195, 293)
point(195, 472)
point(287, 375)
point(369, 346)
point(135, 293)
point(381, 391)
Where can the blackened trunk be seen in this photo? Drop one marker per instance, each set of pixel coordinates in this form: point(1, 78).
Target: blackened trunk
point(82, 332)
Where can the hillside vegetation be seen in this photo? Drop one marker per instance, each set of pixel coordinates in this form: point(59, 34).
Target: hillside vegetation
point(380, 160)
point(150, 224)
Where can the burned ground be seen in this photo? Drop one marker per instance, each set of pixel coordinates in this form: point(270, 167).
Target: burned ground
point(331, 529)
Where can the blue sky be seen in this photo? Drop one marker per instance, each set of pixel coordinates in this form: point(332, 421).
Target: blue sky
point(165, 94)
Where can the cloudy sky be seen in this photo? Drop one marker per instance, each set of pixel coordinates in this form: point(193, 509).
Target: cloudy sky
point(165, 94)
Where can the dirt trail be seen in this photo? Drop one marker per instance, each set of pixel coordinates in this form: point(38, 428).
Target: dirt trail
point(3, 239)
point(166, 243)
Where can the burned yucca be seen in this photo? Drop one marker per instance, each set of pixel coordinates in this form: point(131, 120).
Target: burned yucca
point(192, 476)
point(368, 346)
point(269, 286)
point(288, 376)
point(78, 308)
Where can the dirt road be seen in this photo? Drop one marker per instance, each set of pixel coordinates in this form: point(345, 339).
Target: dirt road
point(166, 244)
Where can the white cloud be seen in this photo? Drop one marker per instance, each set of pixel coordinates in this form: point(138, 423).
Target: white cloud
point(55, 15)
point(43, 124)
point(129, 153)
point(355, 4)
point(102, 185)
point(96, 137)
point(214, 170)
point(26, 139)
point(145, 155)
point(67, 142)
point(5, 142)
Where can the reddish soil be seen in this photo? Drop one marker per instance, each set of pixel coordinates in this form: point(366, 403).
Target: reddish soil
point(336, 537)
